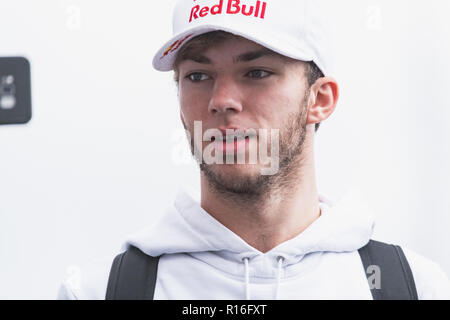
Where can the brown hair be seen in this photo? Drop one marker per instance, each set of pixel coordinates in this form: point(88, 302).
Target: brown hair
point(204, 41)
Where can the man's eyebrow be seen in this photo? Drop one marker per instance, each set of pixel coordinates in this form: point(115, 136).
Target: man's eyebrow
point(253, 55)
point(245, 57)
point(196, 58)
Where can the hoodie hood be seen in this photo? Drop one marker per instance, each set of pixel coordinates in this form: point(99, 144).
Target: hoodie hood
point(186, 227)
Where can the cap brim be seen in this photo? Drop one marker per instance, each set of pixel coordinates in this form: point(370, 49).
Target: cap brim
point(165, 57)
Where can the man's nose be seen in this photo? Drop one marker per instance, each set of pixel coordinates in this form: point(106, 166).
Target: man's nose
point(225, 97)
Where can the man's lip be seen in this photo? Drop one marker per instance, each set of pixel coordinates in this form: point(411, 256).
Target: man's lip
point(225, 141)
point(237, 131)
point(224, 129)
point(233, 146)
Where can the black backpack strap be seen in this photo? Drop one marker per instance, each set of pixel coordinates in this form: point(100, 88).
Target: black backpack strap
point(396, 278)
point(132, 276)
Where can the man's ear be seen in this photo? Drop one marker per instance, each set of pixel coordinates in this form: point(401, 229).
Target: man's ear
point(324, 95)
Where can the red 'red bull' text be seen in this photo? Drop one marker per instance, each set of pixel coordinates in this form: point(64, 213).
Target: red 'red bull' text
point(232, 7)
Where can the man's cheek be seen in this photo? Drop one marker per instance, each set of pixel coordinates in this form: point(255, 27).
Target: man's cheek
point(195, 106)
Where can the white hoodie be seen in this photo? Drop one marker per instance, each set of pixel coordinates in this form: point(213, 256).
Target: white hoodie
point(202, 259)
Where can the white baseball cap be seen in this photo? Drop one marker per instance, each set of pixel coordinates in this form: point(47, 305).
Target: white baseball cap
point(294, 28)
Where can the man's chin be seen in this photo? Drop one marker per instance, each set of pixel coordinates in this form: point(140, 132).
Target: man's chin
point(236, 170)
point(234, 178)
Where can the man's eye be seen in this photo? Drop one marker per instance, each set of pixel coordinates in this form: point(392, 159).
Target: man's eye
point(197, 77)
point(258, 74)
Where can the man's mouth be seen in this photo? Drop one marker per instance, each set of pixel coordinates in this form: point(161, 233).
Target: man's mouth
point(232, 138)
point(232, 143)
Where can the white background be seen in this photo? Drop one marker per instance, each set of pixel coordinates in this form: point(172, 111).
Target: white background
point(97, 160)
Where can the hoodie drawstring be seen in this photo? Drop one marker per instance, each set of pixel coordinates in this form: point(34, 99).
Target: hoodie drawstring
point(247, 278)
point(280, 264)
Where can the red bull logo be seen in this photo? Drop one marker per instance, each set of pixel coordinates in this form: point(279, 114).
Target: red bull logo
point(174, 46)
point(258, 10)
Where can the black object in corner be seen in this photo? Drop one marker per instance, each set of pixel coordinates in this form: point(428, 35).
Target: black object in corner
point(15, 90)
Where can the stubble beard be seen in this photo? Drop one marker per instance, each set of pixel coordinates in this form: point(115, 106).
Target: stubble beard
point(255, 189)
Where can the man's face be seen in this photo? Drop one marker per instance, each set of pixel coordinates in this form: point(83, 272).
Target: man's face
point(241, 85)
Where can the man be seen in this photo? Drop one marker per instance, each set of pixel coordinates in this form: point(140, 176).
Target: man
point(253, 79)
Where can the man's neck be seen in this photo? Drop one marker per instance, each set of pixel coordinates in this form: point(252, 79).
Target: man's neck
point(279, 216)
